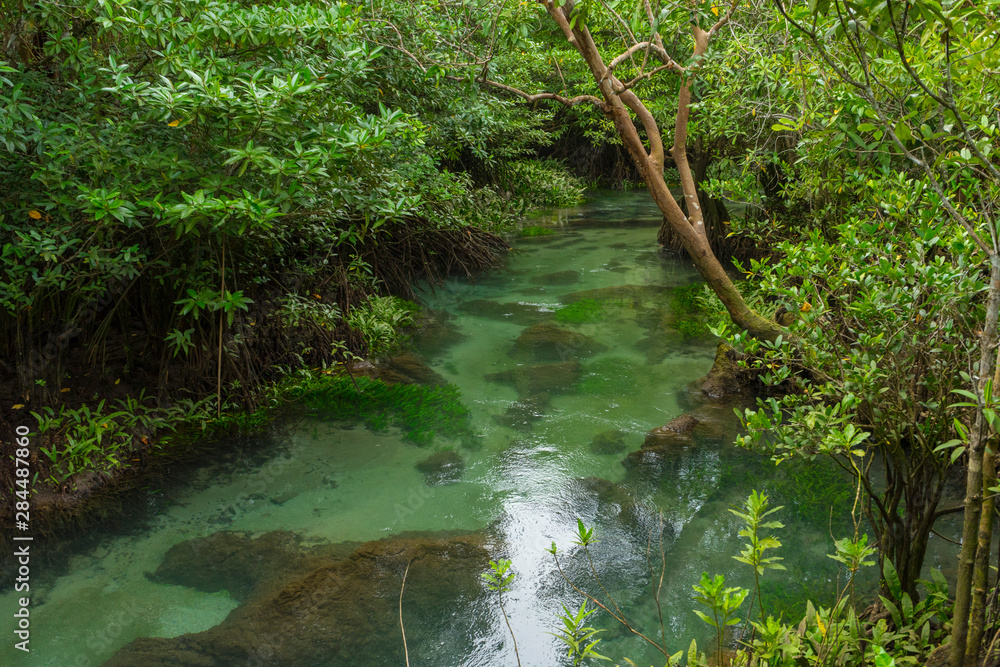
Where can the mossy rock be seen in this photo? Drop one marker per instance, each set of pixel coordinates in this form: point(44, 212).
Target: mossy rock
point(677, 431)
point(548, 342)
point(522, 414)
point(441, 467)
point(725, 378)
point(608, 442)
point(534, 379)
point(328, 610)
point(408, 369)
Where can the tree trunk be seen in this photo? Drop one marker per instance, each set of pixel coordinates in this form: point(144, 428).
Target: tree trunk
point(713, 211)
point(716, 216)
point(619, 103)
point(974, 479)
point(981, 572)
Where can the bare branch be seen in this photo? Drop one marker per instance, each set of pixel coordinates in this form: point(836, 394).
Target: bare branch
point(669, 62)
point(724, 19)
point(537, 97)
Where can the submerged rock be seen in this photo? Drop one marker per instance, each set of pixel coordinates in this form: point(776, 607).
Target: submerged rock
point(633, 295)
point(240, 563)
point(522, 414)
point(557, 278)
point(540, 378)
point(608, 442)
point(343, 611)
point(614, 499)
point(408, 369)
point(652, 461)
point(548, 342)
point(441, 467)
point(282, 498)
point(435, 332)
point(677, 431)
point(518, 313)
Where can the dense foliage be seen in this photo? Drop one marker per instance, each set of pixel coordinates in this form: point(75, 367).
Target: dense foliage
point(198, 193)
point(216, 188)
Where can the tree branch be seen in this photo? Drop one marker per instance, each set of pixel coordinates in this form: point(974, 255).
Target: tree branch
point(537, 97)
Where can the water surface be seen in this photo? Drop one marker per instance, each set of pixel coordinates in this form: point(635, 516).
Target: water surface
point(529, 474)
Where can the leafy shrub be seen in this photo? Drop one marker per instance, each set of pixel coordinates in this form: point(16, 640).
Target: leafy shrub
point(380, 320)
point(544, 183)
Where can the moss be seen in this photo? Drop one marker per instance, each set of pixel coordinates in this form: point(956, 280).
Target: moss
point(690, 314)
point(528, 232)
point(584, 310)
point(421, 412)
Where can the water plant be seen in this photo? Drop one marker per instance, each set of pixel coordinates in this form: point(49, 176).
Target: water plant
point(755, 509)
point(530, 232)
point(585, 539)
point(381, 321)
point(584, 310)
point(421, 412)
point(615, 376)
point(694, 309)
point(101, 439)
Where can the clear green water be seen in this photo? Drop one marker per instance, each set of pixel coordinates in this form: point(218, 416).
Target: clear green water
point(340, 483)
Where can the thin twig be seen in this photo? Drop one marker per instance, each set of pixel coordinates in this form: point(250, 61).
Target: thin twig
point(406, 651)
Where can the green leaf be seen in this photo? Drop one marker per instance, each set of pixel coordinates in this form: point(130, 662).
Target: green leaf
point(703, 616)
point(892, 579)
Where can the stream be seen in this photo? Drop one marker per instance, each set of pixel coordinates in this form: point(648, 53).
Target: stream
point(551, 421)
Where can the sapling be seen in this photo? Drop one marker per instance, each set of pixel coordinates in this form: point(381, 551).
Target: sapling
point(723, 602)
point(577, 636)
point(499, 579)
point(754, 511)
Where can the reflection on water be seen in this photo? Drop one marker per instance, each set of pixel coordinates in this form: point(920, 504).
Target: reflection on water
point(565, 359)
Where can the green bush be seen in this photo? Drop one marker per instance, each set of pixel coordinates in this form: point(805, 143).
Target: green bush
point(381, 321)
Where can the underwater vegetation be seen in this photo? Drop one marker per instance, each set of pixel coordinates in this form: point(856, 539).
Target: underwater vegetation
point(420, 412)
point(528, 232)
point(584, 310)
point(691, 309)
